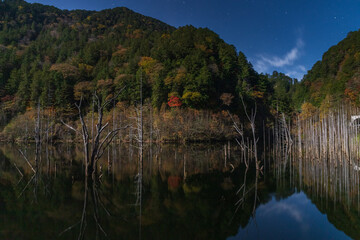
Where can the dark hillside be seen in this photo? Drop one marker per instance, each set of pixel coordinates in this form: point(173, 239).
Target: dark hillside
point(336, 76)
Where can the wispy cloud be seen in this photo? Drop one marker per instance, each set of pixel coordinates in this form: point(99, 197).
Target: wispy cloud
point(288, 59)
point(265, 63)
point(283, 207)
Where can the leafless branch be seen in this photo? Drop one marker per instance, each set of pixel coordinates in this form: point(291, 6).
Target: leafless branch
point(27, 160)
point(70, 127)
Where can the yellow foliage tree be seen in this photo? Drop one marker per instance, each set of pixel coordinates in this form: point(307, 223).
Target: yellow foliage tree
point(151, 67)
point(307, 110)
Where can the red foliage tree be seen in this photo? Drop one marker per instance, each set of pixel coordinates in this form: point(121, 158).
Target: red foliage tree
point(174, 102)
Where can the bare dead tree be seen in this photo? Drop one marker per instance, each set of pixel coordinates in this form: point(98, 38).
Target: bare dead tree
point(139, 137)
point(100, 144)
point(251, 119)
point(138, 126)
point(286, 130)
point(241, 142)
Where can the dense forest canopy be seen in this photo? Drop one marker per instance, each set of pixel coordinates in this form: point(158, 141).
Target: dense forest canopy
point(54, 57)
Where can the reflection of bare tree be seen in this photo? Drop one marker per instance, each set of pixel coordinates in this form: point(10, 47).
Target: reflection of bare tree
point(256, 199)
point(91, 197)
point(35, 169)
point(35, 178)
point(83, 215)
point(242, 190)
point(21, 174)
point(245, 192)
point(139, 185)
point(96, 200)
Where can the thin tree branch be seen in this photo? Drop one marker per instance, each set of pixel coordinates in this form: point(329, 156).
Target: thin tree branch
point(32, 168)
point(71, 127)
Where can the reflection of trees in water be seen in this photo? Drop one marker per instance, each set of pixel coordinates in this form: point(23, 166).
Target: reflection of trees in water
point(333, 188)
point(320, 178)
point(328, 145)
point(186, 192)
point(36, 178)
point(165, 193)
point(118, 161)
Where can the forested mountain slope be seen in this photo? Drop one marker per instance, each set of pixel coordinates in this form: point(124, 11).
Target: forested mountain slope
point(51, 57)
point(336, 77)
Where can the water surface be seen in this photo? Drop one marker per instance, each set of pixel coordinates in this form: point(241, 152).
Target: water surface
point(184, 192)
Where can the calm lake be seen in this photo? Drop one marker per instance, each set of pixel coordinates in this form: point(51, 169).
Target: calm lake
point(183, 192)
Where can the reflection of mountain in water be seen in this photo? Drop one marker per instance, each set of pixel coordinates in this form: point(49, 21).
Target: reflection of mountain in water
point(188, 193)
point(293, 218)
point(333, 189)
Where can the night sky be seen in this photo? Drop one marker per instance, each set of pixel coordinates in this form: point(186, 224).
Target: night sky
point(284, 35)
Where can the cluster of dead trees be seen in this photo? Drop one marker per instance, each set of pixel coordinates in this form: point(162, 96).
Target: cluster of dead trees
point(330, 136)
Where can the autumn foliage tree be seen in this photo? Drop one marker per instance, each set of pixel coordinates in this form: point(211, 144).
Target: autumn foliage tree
point(307, 110)
point(174, 102)
point(226, 98)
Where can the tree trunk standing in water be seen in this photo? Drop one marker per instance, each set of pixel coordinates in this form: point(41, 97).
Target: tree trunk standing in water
point(329, 136)
point(140, 141)
point(241, 143)
point(99, 144)
point(251, 118)
point(140, 128)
